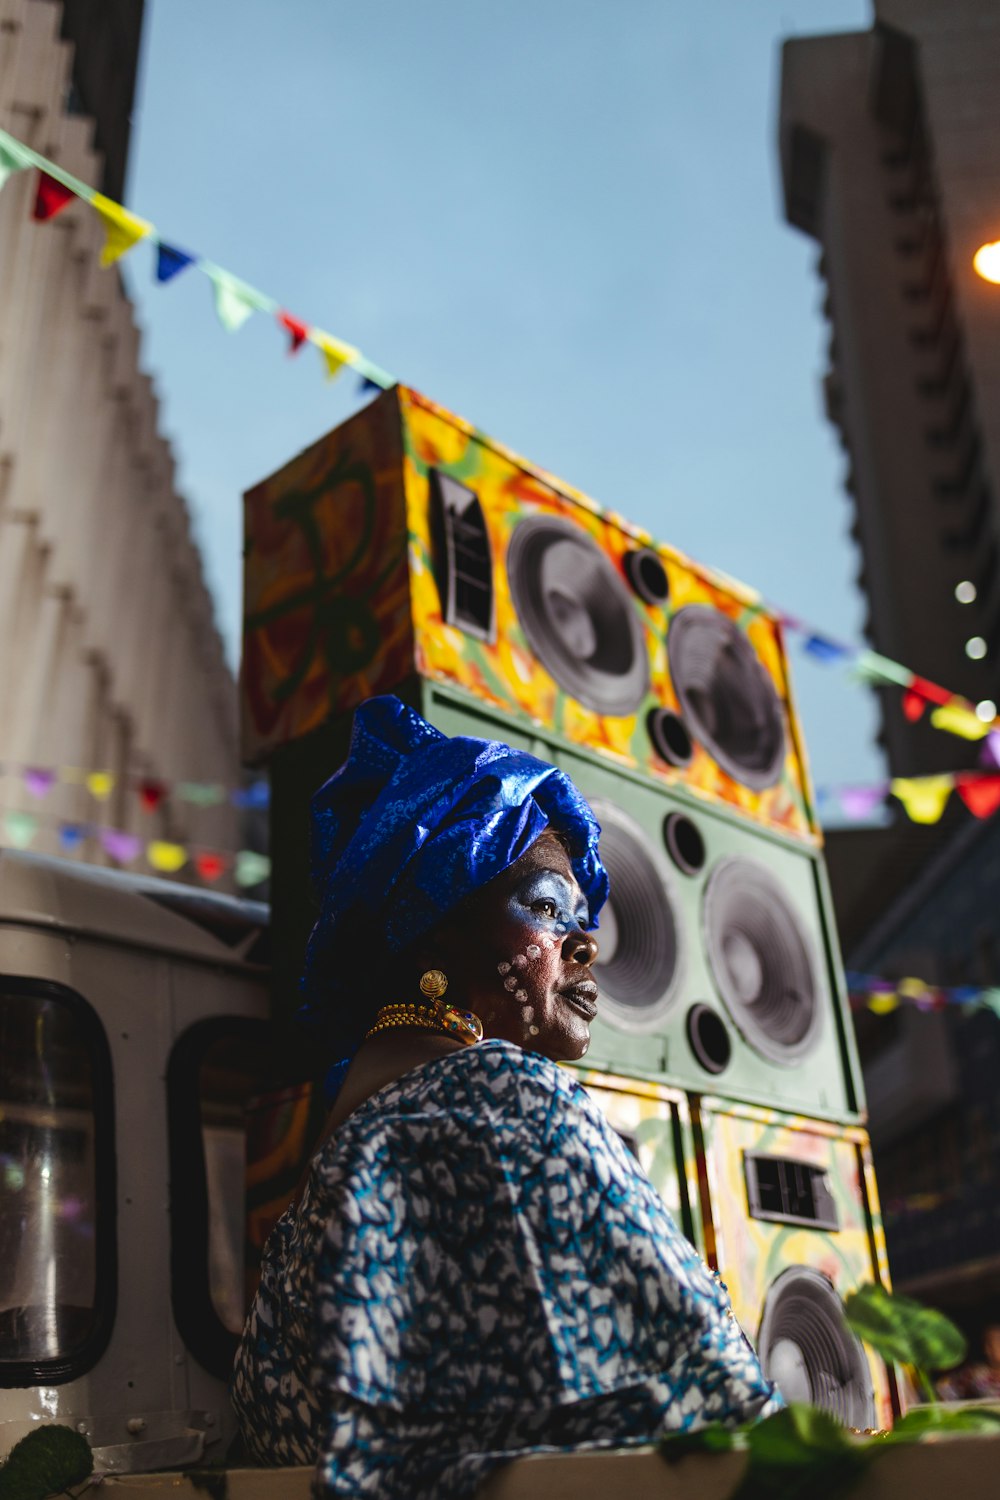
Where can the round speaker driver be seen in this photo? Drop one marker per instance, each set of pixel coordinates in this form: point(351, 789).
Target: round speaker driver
point(805, 1346)
point(577, 615)
point(727, 698)
point(761, 959)
point(640, 974)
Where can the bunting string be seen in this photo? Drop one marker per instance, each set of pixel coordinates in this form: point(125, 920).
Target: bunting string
point(882, 996)
point(151, 791)
point(164, 856)
point(235, 300)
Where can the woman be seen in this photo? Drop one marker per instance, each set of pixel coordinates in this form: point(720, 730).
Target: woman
point(476, 1267)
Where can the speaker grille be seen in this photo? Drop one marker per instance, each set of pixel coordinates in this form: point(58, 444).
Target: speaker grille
point(805, 1346)
point(640, 937)
point(761, 960)
point(577, 615)
point(726, 696)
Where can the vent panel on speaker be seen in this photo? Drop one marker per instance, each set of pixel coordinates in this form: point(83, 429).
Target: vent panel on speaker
point(640, 937)
point(576, 614)
point(727, 698)
point(805, 1346)
point(761, 960)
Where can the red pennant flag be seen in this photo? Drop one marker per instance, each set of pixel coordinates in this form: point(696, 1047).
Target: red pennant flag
point(929, 691)
point(209, 866)
point(913, 704)
point(51, 198)
point(981, 794)
point(297, 331)
point(151, 794)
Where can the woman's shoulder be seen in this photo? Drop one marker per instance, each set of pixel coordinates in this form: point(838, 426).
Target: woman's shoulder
point(493, 1075)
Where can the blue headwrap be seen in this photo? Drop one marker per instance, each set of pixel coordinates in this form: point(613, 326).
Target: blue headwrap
point(411, 824)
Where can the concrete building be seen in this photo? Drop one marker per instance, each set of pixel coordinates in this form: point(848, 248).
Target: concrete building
point(109, 653)
point(890, 158)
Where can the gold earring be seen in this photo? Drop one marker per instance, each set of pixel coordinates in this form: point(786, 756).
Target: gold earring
point(433, 984)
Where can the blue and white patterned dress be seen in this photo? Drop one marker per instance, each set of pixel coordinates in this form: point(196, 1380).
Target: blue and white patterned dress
point(478, 1268)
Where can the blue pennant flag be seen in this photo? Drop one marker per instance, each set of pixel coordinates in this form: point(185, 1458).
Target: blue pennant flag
point(170, 260)
point(365, 386)
point(825, 650)
point(257, 795)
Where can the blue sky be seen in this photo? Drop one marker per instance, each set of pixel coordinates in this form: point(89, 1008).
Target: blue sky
point(559, 218)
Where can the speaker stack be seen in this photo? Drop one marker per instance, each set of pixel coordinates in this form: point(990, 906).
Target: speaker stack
point(407, 552)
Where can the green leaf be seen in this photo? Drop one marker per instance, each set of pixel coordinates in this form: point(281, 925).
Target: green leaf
point(900, 1329)
point(801, 1453)
point(796, 1433)
point(932, 1419)
point(46, 1461)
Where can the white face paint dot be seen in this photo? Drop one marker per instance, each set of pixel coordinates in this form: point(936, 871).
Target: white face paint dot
point(520, 962)
point(503, 968)
point(532, 1030)
point(528, 1013)
point(533, 950)
point(510, 983)
point(520, 996)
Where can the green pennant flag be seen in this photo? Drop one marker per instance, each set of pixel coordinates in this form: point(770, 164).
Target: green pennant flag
point(20, 828)
point(234, 299)
point(251, 867)
point(13, 157)
point(871, 667)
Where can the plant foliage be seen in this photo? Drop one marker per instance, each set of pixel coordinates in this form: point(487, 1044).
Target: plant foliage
point(900, 1329)
point(46, 1461)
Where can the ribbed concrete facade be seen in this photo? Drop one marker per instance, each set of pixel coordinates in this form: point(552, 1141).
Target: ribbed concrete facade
point(890, 150)
point(109, 654)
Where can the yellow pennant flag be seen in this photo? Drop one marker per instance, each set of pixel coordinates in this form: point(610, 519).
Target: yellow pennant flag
point(100, 784)
point(880, 1004)
point(924, 797)
point(955, 718)
point(165, 856)
point(335, 354)
point(122, 230)
point(913, 989)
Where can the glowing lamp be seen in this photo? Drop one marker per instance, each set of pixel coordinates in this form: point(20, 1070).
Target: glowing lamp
point(986, 262)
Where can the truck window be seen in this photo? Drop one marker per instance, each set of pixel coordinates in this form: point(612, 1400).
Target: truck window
point(215, 1068)
point(56, 1184)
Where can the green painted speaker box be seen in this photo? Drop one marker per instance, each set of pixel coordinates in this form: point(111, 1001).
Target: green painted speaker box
point(719, 968)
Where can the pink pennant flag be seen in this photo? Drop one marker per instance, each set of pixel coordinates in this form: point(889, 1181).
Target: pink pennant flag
point(859, 802)
point(124, 847)
point(39, 782)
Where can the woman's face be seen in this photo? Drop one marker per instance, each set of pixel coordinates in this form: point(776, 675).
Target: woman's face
point(521, 960)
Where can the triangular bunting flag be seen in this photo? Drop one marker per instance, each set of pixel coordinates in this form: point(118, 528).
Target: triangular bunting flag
point(930, 691)
point(957, 718)
point(165, 856)
point(859, 802)
point(201, 793)
point(13, 158)
point(71, 836)
point(989, 751)
point(170, 261)
point(251, 867)
point(234, 300)
point(824, 650)
point(122, 229)
point(39, 782)
point(335, 354)
point(258, 794)
point(297, 331)
point(981, 794)
point(20, 828)
point(913, 704)
point(151, 794)
point(881, 1004)
point(51, 198)
point(123, 847)
point(209, 866)
point(871, 667)
point(100, 784)
point(371, 374)
point(924, 797)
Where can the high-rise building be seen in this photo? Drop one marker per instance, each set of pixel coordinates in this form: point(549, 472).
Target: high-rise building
point(890, 157)
point(109, 654)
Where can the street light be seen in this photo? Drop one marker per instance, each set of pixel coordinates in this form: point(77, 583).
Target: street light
point(986, 262)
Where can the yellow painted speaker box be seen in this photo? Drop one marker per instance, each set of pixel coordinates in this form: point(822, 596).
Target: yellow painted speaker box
point(406, 542)
point(791, 1219)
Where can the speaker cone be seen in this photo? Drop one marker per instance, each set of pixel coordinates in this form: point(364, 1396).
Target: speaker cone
point(727, 698)
point(640, 937)
point(761, 959)
point(805, 1346)
point(577, 615)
